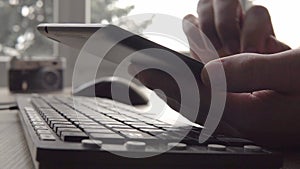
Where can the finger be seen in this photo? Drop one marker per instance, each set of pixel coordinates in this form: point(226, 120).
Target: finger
point(256, 29)
point(207, 23)
point(201, 48)
point(258, 34)
point(227, 20)
point(254, 72)
point(188, 23)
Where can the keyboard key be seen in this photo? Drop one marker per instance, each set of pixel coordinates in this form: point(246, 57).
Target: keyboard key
point(110, 122)
point(128, 130)
point(86, 123)
point(50, 100)
point(126, 119)
point(142, 126)
point(37, 119)
point(62, 126)
point(55, 123)
point(138, 135)
point(216, 147)
point(59, 130)
point(47, 137)
point(110, 138)
point(73, 136)
point(117, 127)
point(92, 143)
point(49, 119)
point(81, 120)
point(168, 137)
point(136, 123)
point(177, 146)
point(91, 126)
point(40, 127)
point(28, 108)
point(43, 131)
point(103, 131)
point(38, 123)
point(40, 103)
point(48, 111)
point(135, 145)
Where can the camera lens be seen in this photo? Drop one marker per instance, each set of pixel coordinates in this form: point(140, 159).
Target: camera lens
point(50, 79)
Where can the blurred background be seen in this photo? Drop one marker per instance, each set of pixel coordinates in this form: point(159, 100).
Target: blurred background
point(18, 20)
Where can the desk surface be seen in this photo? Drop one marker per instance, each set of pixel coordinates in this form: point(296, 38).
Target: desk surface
point(14, 153)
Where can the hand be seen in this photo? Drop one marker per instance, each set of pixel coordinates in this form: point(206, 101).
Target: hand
point(265, 96)
point(258, 113)
point(230, 30)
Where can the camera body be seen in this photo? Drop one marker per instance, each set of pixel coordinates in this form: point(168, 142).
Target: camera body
point(36, 75)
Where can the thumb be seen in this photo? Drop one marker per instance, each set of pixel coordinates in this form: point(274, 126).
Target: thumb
point(253, 72)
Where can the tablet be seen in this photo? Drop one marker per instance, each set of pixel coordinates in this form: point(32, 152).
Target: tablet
point(121, 44)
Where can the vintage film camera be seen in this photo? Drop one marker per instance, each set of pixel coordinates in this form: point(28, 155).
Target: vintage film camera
point(36, 74)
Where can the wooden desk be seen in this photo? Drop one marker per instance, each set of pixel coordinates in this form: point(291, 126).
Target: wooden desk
point(14, 153)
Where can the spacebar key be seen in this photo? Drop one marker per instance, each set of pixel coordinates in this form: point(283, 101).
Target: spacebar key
point(109, 138)
point(73, 136)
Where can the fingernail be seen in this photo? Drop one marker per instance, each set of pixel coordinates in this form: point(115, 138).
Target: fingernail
point(186, 25)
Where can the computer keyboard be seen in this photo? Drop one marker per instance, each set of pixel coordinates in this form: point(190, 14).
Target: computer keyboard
point(81, 132)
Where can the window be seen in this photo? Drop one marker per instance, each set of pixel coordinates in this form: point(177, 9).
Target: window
point(106, 11)
point(18, 34)
point(18, 19)
point(284, 13)
point(285, 19)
